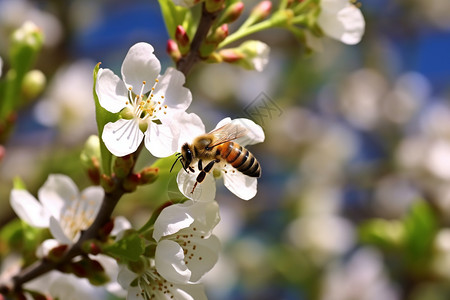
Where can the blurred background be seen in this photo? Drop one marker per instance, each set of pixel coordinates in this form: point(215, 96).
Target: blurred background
point(354, 200)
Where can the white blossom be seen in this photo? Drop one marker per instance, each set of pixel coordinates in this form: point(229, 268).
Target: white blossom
point(186, 249)
point(341, 20)
point(61, 207)
point(153, 103)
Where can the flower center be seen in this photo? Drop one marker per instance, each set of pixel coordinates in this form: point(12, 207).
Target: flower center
point(153, 286)
point(145, 106)
point(76, 216)
point(189, 247)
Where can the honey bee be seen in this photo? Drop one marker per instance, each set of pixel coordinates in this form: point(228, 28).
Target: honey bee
point(215, 147)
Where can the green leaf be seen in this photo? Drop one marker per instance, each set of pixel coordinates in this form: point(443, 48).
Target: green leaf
point(382, 233)
point(103, 117)
point(420, 230)
point(128, 248)
point(173, 16)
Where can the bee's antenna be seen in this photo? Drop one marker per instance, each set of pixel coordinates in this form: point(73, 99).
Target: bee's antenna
point(176, 160)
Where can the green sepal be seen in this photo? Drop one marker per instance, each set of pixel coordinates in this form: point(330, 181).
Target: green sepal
point(129, 248)
point(103, 117)
point(173, 16)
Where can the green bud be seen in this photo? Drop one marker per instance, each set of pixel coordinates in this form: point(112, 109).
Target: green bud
point(33, 84)
point(214, 5)
point(90, 158)
point(26, 42)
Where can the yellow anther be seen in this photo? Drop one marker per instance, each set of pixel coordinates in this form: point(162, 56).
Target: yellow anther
point(156, 80)
point(153, 89)
point(144, 82)
point(162, 97)
point(130, 88)
point(159, 102)
point(165, 106)
point(165, 113)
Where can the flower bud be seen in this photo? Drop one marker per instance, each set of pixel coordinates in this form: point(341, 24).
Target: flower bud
point(123, 165)
point(219, 35)
point(251, 55)
point(182, 39)
point(55, 254)
point(214, 5)
point(91, 247)
point(90, 158)
point(26, 42)
point(33, 84)
point(148, 175)
point(232, 13)
point(173, 50)
point(261, 11)
point(213, 40)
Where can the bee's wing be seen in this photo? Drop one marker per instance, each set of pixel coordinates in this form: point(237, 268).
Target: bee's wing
point(227, 132)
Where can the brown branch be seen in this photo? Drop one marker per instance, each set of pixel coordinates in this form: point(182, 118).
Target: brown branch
point(43, 266)
point(185, 64)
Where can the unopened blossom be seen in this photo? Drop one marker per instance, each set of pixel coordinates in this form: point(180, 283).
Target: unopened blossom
point(149, 284)
point(341, 20)
point(243, 186)
point(251, 55)
point(151, 105)
point(61, 207)
point(186, 248)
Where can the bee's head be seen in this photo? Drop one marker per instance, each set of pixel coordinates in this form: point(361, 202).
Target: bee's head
point(185, 157)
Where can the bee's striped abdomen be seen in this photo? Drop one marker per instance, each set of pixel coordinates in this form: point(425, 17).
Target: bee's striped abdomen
point(240, 158)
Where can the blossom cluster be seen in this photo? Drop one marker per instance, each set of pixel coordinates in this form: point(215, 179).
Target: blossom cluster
point(148, 109)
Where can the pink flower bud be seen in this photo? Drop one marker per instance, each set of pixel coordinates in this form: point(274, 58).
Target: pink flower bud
point(173, 50)
point(262, 10)
point(232, 13)
point(230, 55)
point(181, 36)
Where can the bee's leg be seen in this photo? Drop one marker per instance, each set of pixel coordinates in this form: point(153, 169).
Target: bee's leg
point(203, 171)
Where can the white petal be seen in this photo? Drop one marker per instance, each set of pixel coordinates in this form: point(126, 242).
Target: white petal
point(202, 255)
point(29, 209)
point(111, 91)
point(170, 262)
point(204, 191)
point(332, 6)
point(254, 132)
point(346, 26)
point(160, 140)
point(91, 200)
point(204, 216)
point(243, 186)
point(58, 233)
point(189, 126)
point(170, 87)
point(125, 277)
point(122, 137)
point(171, 220)
point(140, 64)
point(112, 270)
point(57, 191)
point(120, 224)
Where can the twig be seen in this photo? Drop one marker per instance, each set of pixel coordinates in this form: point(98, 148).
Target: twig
point(43, 266)
point(185, 64)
